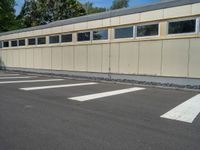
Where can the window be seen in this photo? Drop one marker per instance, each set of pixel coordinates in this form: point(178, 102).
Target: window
point(147, 30)
point(22, 42)
point(54, 39)
point(31, 41)
point(1, 44)
point(5, 44)
point(124, 32)
point(14, 43)
point(41, 40)
point(185, 26)
point(84, 36)
point(100, 35)
point(66, 38)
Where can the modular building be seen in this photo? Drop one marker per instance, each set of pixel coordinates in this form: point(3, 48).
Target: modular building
point(155, 41)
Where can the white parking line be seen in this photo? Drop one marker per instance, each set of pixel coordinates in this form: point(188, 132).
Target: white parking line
point(186, 111)
point(25, 77)
point(105, 94)
point(3, 75)
point(56, 86)
point(29, 81)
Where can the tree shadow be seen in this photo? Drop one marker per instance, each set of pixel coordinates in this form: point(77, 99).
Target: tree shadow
point(2, 64)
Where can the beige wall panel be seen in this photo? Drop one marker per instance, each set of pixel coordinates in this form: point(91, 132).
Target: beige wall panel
point(196, 9)
point(46, 58)
point(81, 56)
point(151, 15)
point(22, 56)
point(178, 11)
point(150, 57)
point(95, 24)
point(133, 18)
point(37, 58)
point(128, 62)
point(68, 58)
point(194, 60)
point(56, 30)
point(95, 58)
point(67, 28)
point(175, 57)
point(4, 58)
point(46, 31)
point(10, 58)
point(106, 22)
point(114, 61)
point(29, 58)
point(15, 58)
point(115, 21)
point(57, 58)
point(105, 57)
point(37, 32)
point(81, 26)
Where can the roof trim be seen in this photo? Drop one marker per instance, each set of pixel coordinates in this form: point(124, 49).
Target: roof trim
point(120, 12)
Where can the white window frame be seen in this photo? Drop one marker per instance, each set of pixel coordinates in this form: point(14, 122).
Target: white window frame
point(54, 35)
point(100, 30)
point(31, 38)
point(124, 27)
point(150, 36)
point(13, 41)
point(198, 25)
point(91, 36)
point(8, 44)
point(67, 33)
point(179, 34)
point(21, 45)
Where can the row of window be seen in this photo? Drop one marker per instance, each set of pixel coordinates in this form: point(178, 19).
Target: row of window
point(174, 27)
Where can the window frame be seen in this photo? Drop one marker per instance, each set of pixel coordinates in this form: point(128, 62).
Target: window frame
point(12, 43)
point(21, 40)
point(103, 29)
point(69, 33)
point(8, 44)
point(59, 41)
point(114, 30)
point(91, 37)
point(148, 36)
point(181, 19)
point(32, 44)
point(39, 38)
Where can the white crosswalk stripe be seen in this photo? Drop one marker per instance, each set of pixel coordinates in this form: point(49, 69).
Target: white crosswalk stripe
point(56, 86)
point(185, 112)
point(30, 81)
point(105, 94)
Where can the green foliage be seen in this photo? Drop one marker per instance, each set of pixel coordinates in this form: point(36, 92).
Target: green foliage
point(117, 4)
point(39, 12)
point(7, 16)
point(90, 9)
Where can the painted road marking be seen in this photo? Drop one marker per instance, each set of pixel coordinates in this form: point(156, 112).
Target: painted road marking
point(1, 75)
point(186, 112)
point(105, 94)
point(56, 86)
point(25, 77)
point(30, 81)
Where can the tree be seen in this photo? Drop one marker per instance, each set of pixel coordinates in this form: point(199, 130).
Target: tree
point(39, 12)
point(90, 9)
point(7, 15)
point(117, 4)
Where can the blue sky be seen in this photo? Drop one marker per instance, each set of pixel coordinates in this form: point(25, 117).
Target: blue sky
point(100, 3)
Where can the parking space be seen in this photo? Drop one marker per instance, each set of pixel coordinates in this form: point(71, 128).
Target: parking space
point(40, 112)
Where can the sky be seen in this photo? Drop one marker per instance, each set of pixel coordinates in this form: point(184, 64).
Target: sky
point(99, 3)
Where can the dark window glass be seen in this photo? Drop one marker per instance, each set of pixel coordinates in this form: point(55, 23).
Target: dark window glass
point(41, 40)
point(100, 35)
point(22, 42)
point(85, 36)
point(31, 42)
point(54, 39)
point(1, 44)
point(147, 30)
point(178, 27)
point(66, 38)
point(6, 44)
point(124, 32)
point(14, 43)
